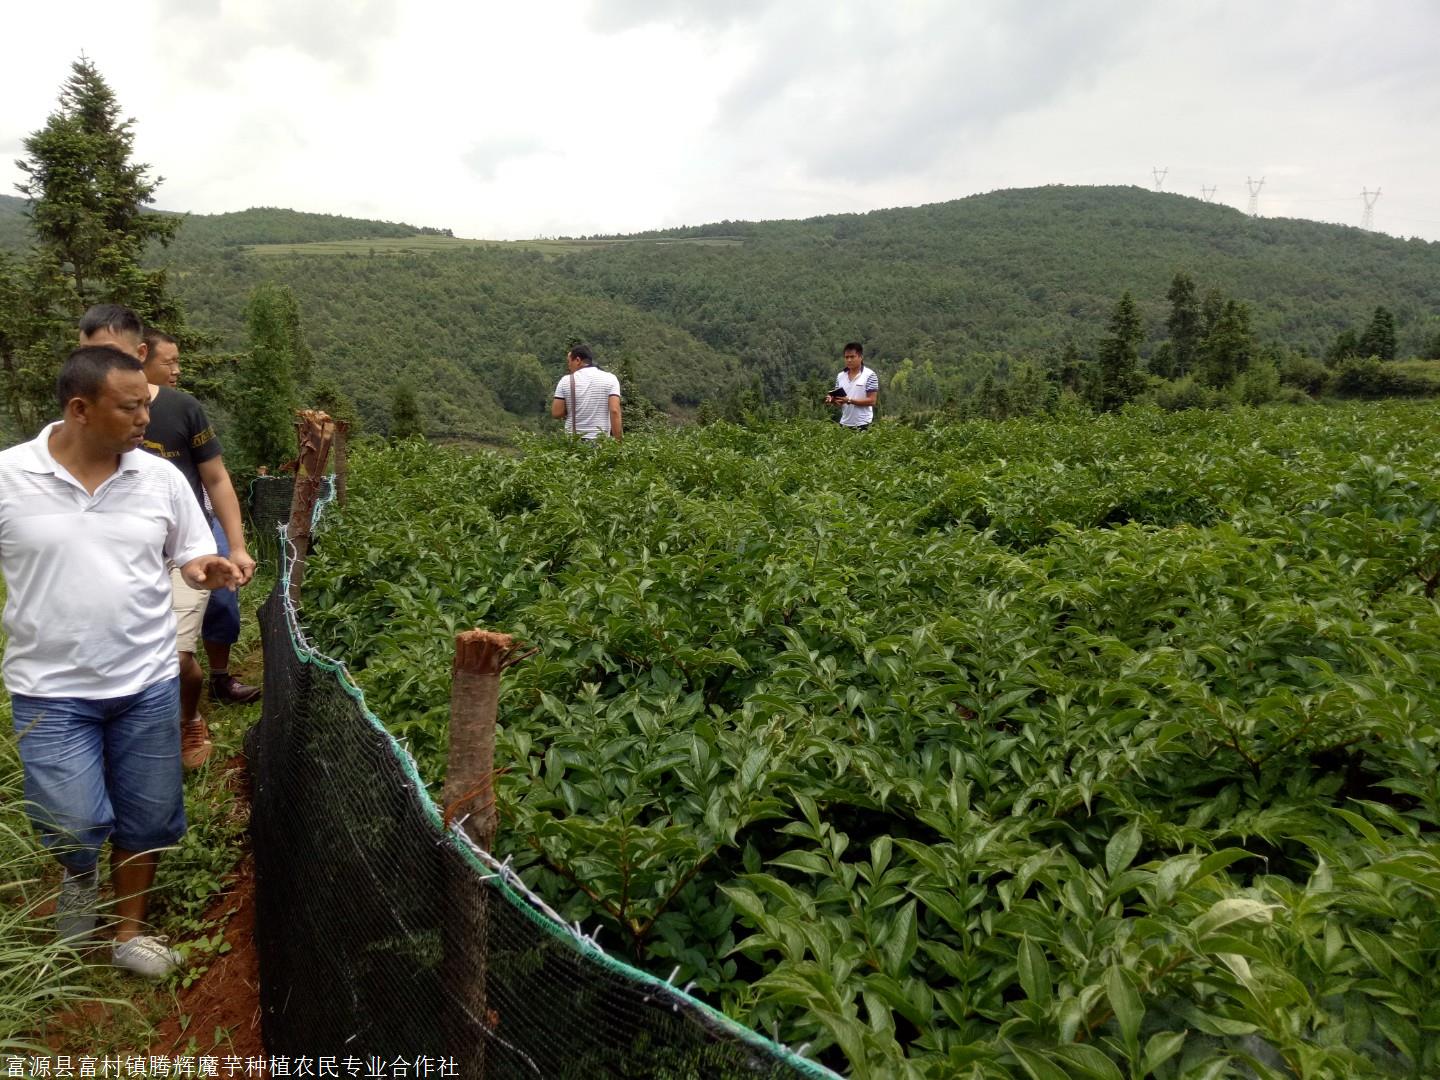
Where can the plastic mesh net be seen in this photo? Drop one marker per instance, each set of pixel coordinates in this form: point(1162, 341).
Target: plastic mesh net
point(268, 504)
point(382, 933)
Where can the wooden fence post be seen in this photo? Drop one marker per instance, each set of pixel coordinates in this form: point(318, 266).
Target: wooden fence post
point(342, 459)
point(316, 432)
point(480, 657)
point(469, 795)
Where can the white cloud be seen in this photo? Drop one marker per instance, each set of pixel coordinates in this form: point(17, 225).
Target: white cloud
point(579, 116)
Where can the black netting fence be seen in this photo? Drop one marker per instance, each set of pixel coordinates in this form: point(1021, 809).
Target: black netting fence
point(382, 933)
point(268, 504)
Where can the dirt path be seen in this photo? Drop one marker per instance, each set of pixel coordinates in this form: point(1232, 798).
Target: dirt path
point(220, 1011)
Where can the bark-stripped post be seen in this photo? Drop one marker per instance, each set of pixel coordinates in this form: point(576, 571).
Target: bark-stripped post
point(480, 657)
point(316, 432)
point(469, 796)
point(342, 459)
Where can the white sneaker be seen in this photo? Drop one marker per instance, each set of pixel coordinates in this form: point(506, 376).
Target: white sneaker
point(76, 906)
point(148, 956)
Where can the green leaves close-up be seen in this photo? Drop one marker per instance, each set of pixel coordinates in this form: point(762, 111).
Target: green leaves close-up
point(1103, 748)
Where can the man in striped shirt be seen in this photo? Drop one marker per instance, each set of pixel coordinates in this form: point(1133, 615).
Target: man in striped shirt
point(589, 397)
point(856, 390)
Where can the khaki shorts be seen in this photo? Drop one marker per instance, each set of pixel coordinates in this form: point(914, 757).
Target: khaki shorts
point(189, 605)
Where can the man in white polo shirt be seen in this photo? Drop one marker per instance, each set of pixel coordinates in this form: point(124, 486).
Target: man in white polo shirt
point(87, 523)
point(589, 397)
point(181, 434)
point(856, 390)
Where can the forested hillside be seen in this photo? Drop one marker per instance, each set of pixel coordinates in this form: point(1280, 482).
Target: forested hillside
point(978, 287)
point(468, 330)
point(214, 232)
point(1017, 271)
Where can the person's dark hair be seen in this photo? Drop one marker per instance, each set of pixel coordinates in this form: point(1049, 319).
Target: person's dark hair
point(582, 353)
point(85, 370)
point(116, 318)
point(853, 346)
point(154, 336)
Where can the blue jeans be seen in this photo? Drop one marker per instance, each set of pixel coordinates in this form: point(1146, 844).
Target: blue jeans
point(104, 767)
point(222, 613)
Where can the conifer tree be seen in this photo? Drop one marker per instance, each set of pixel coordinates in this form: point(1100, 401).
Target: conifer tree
point(1118, 376)
point(88, 198)
point(1070, 369)
point(90, 231)
point(405, 418)
point(265, 399)
point(1210, 311)
point(1228, 348)
point(1379, 337)
point(1184, 326)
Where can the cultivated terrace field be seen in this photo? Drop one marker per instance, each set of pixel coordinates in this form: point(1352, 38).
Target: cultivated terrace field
point(1094, 748)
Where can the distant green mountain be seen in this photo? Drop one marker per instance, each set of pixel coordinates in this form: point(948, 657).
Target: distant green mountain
point(1016, 271)
point(258, 225)
point(13, 223)
point(270, 225)
point(972, 285)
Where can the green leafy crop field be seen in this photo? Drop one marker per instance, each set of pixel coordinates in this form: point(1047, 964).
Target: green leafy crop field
point(1102, 748)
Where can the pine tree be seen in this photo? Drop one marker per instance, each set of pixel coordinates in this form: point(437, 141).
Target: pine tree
point(264, 400)
point(1162, 361)
point(1184, 325)
point(405, 419)
point(90, 231)
point(1210, 311)
point(1228, 348)
point(88, 199)
point(1118, 376)
point(1379, 337)
point(1070, 369)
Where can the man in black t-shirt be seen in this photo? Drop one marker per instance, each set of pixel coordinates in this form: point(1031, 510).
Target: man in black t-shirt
point(220, 626)
point(180, 432)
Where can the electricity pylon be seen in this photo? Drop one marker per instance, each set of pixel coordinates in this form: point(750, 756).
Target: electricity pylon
point(1159, 175)
point(1255, 187)
point(1207, 193)
point(1371, 198)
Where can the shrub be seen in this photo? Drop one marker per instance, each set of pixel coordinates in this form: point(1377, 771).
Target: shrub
point(1305, 373)
point(1187, 393)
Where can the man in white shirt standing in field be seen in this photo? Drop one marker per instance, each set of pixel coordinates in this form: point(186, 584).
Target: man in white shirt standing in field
point(589, 397)
point(856, 390)
point(88, 521)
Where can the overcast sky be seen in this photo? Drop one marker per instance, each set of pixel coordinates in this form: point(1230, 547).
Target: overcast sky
point(512, 120)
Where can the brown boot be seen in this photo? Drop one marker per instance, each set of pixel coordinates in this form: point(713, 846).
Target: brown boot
point(225, 687)
point(195, 744)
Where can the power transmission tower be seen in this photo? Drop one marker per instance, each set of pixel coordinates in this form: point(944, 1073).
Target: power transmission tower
point(1207, 193)
point(1255, 187)
point(1371, 198)
point(1159, 175)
